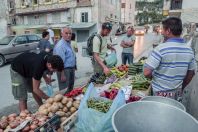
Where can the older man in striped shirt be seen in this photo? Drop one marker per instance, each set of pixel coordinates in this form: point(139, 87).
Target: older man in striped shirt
point(171, 65)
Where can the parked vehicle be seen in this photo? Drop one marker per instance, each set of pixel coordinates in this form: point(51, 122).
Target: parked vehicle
point(139, 31)
point(13, 45)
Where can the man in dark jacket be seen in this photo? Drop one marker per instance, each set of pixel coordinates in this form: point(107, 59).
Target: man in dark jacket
point(26, 71)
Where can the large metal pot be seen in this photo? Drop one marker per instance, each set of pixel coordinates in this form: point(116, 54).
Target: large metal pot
point(165, 100)
point(150, 116)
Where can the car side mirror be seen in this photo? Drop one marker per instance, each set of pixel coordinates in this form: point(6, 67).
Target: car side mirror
point(14, 44)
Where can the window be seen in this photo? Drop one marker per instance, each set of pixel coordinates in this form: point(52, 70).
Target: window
point(35, 2)
point(47, 1)
point(84, 17)
point(111, 15)
point(21, 40)
point(32, 38)
point(56, 17)
point(23, 3)
point(130, 6)
point(62, 0)
point(123, 5)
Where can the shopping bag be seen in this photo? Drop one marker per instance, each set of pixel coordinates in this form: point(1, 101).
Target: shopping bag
point(50, 91)
point(91, 120)
point(111, 60)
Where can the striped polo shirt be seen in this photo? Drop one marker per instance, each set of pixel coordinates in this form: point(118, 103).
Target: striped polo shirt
point(170, 62)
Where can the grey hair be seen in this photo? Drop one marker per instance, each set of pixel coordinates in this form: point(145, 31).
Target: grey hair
point(66, 27)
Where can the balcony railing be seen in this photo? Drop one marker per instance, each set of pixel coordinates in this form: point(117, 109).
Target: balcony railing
point(45, 8)
point(176, 4)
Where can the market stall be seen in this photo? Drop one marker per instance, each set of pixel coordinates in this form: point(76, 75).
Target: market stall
point(86, 108)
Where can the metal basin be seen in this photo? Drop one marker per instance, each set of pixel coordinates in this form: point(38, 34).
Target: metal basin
point(150, 116)
point(165, 100)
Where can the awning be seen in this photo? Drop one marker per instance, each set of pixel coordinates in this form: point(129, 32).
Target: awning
point(82, 25)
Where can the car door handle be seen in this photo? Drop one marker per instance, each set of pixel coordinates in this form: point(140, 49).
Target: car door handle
point(27, 45)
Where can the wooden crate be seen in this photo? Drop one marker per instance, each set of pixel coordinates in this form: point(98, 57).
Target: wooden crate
point(66, 126)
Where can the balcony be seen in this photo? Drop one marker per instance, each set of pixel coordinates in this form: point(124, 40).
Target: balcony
point(45, 8)
point(176, 5)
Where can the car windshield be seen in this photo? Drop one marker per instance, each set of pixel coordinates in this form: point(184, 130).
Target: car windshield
point(6, 40)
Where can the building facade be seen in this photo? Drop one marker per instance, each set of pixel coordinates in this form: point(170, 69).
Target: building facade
point(83, 16)
point(6, 17)
point(187, 10)
point(128, 11)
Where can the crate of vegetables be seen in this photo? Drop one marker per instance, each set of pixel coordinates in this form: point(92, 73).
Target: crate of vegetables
point(24, 122)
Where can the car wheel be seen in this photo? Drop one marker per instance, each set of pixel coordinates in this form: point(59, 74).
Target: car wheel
point(2, 60)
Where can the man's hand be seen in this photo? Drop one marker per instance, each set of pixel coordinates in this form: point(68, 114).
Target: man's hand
point(106, 71)
point(63, 77)
point(37, 91)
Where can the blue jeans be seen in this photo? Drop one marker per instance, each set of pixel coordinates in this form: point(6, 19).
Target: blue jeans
point(127, 57)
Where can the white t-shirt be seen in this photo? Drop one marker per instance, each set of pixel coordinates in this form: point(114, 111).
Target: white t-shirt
point(51, 34)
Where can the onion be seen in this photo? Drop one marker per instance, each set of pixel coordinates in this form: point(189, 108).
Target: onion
point(23, 114)
point(26, 129)
point(33, 126)
point(14, 124)
point(12, 115)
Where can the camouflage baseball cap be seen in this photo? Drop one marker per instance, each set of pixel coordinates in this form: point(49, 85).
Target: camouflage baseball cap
point(107, 25)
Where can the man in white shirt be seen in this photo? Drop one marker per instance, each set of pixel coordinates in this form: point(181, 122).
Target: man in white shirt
point(51, 34)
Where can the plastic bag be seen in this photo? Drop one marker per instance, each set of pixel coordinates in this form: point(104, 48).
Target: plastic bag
point(111, 60)
point(50, 91)
point(91, 120)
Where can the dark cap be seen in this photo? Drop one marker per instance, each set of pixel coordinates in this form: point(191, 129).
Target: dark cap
point(107, 25)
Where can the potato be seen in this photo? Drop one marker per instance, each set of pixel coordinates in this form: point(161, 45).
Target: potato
point(60, 113)
point(60, 105)
point(69, 104)
point(47, 105)
point(58, 97)
point(77, 101)
point(54, 108)
point(42, 107)
point(70, 99)
point(76, 105)
point(63, 119)
point(44, 112)
point(68, 114)
point(50, 100)
point(65, 109)
point(64, 100)
point(73, 109)
point(50, 114)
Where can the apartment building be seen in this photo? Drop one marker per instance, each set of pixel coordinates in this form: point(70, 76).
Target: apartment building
point(83, 16)
point(128, 11)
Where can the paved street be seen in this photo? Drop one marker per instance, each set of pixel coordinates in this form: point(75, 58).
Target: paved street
point(7, 102)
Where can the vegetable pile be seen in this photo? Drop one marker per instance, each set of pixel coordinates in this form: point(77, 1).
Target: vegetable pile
point(99, 104)
point(60, 105)
point(14, 120)
point(135, 68)
point(139, 82)
point(75, 92)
